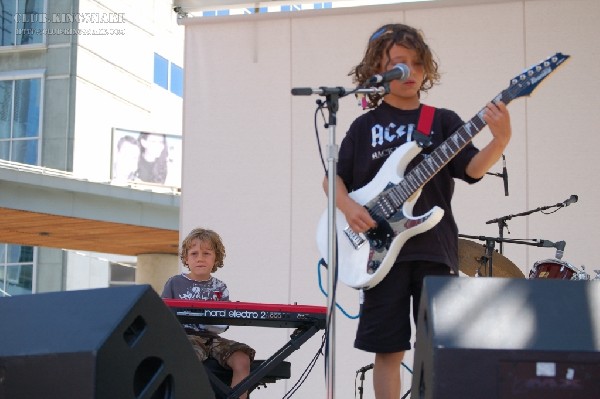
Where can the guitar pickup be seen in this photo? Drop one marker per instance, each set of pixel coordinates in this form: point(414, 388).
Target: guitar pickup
point(355, 239)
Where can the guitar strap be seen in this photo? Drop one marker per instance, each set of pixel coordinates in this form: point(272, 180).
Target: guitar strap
point(424, 125)
point(426, 119)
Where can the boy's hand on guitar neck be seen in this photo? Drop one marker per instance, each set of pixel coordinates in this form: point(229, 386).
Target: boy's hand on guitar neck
point(497, 118)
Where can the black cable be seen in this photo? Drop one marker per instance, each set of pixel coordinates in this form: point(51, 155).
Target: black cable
point(306, 371)
point(320, 106)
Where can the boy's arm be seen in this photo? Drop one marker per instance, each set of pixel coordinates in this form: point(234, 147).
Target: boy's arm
point(497, 118)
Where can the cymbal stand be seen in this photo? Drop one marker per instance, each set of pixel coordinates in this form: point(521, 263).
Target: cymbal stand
point(332, 96)
point(489, 255)
point(502, 220)
point(487, 259)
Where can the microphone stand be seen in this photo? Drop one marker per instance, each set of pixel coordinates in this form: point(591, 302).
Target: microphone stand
point(360, 387)
point(362, 372)
point(332, 96)
point(504, 177)
point(490, 242)
point(502, 220)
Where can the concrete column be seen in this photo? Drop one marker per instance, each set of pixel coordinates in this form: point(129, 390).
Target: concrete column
point(155, 269)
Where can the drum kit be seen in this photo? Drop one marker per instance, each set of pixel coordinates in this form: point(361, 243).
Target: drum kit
point(478, 260)
point(475, 260)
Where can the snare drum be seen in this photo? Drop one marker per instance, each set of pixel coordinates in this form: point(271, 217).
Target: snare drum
point(556, 269)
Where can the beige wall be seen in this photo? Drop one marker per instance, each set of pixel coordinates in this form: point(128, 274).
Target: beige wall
point(252, 170)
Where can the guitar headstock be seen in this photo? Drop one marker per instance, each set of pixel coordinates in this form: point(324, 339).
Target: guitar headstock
point(526, 82)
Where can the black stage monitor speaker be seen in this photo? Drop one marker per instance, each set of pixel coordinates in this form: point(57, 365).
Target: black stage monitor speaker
point(501, 338)
point(109, 343)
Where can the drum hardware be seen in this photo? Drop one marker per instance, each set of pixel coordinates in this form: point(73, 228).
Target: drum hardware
point(582, 275)
point(597, 274)
point(473, 257)
point(559, 245)
point(502, 220)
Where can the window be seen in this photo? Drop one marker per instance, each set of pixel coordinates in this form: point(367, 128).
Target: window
point(122, 274)
point(20, 104)
point(161, 71)
point(176, 80)
point(168, 75)
point(16, 269)
point(22, 22)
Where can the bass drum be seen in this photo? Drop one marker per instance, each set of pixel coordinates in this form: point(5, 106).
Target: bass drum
point(557, 269)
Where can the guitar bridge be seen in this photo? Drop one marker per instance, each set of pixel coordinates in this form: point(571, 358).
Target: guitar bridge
point(355, 239)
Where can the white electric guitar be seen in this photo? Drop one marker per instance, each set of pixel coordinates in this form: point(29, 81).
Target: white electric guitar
point(365, 259)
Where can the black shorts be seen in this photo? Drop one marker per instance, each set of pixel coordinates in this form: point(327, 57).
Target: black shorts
point(384, 325)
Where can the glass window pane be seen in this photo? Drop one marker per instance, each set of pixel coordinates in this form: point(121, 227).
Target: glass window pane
point(12, 274)
point(6, 90)
point(161, 71)
point(19, 280)
point(2, 255)
point(20, 254)
point(25, 151)
point(5, 150)
point(177, 80)
point(122, 273)
point(30, 22)
point(27, 108)
point(2, 282)
point(8, 23)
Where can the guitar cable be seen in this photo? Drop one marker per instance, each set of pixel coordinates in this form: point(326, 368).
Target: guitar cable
point(322, 263)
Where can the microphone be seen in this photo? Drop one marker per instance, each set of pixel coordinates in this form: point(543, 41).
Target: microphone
point(504, 175)
point(398, 72)
point(571, 200)
point(365, 368)
point(560, 249)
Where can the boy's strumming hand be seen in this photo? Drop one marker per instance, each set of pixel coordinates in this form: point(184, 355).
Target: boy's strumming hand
point(357, 216)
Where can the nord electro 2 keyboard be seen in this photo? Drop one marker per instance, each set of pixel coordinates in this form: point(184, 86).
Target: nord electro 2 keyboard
point(306, 319)
point(247, 313)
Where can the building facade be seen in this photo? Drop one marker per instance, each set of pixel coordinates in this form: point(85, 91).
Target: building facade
point(75, 76)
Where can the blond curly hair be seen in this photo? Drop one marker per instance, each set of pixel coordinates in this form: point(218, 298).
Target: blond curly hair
point(380, 43)
point(207, 236)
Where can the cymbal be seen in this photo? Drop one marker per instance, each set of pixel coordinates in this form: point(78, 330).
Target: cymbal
point(470, 254)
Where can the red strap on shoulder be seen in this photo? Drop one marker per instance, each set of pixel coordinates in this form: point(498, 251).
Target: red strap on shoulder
point(425, 119)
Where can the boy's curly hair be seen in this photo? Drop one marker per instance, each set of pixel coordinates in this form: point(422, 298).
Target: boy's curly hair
point(207, 236)
point(380, 43)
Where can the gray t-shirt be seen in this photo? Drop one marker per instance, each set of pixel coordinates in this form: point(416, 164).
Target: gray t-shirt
point(183, 287)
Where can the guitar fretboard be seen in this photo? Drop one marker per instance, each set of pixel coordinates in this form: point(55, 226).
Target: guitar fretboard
point(392, 199)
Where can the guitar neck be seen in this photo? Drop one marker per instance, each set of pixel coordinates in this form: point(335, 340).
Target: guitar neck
point(520, 85)
point(434, 162)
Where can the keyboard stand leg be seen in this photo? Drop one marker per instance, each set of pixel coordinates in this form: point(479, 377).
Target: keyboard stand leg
point(223, 389)
point(299, 337)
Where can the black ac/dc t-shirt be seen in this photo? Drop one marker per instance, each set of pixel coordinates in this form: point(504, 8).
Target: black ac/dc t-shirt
point(373, 136)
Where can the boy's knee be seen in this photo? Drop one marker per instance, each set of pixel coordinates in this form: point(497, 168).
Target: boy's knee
point(239, 361)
